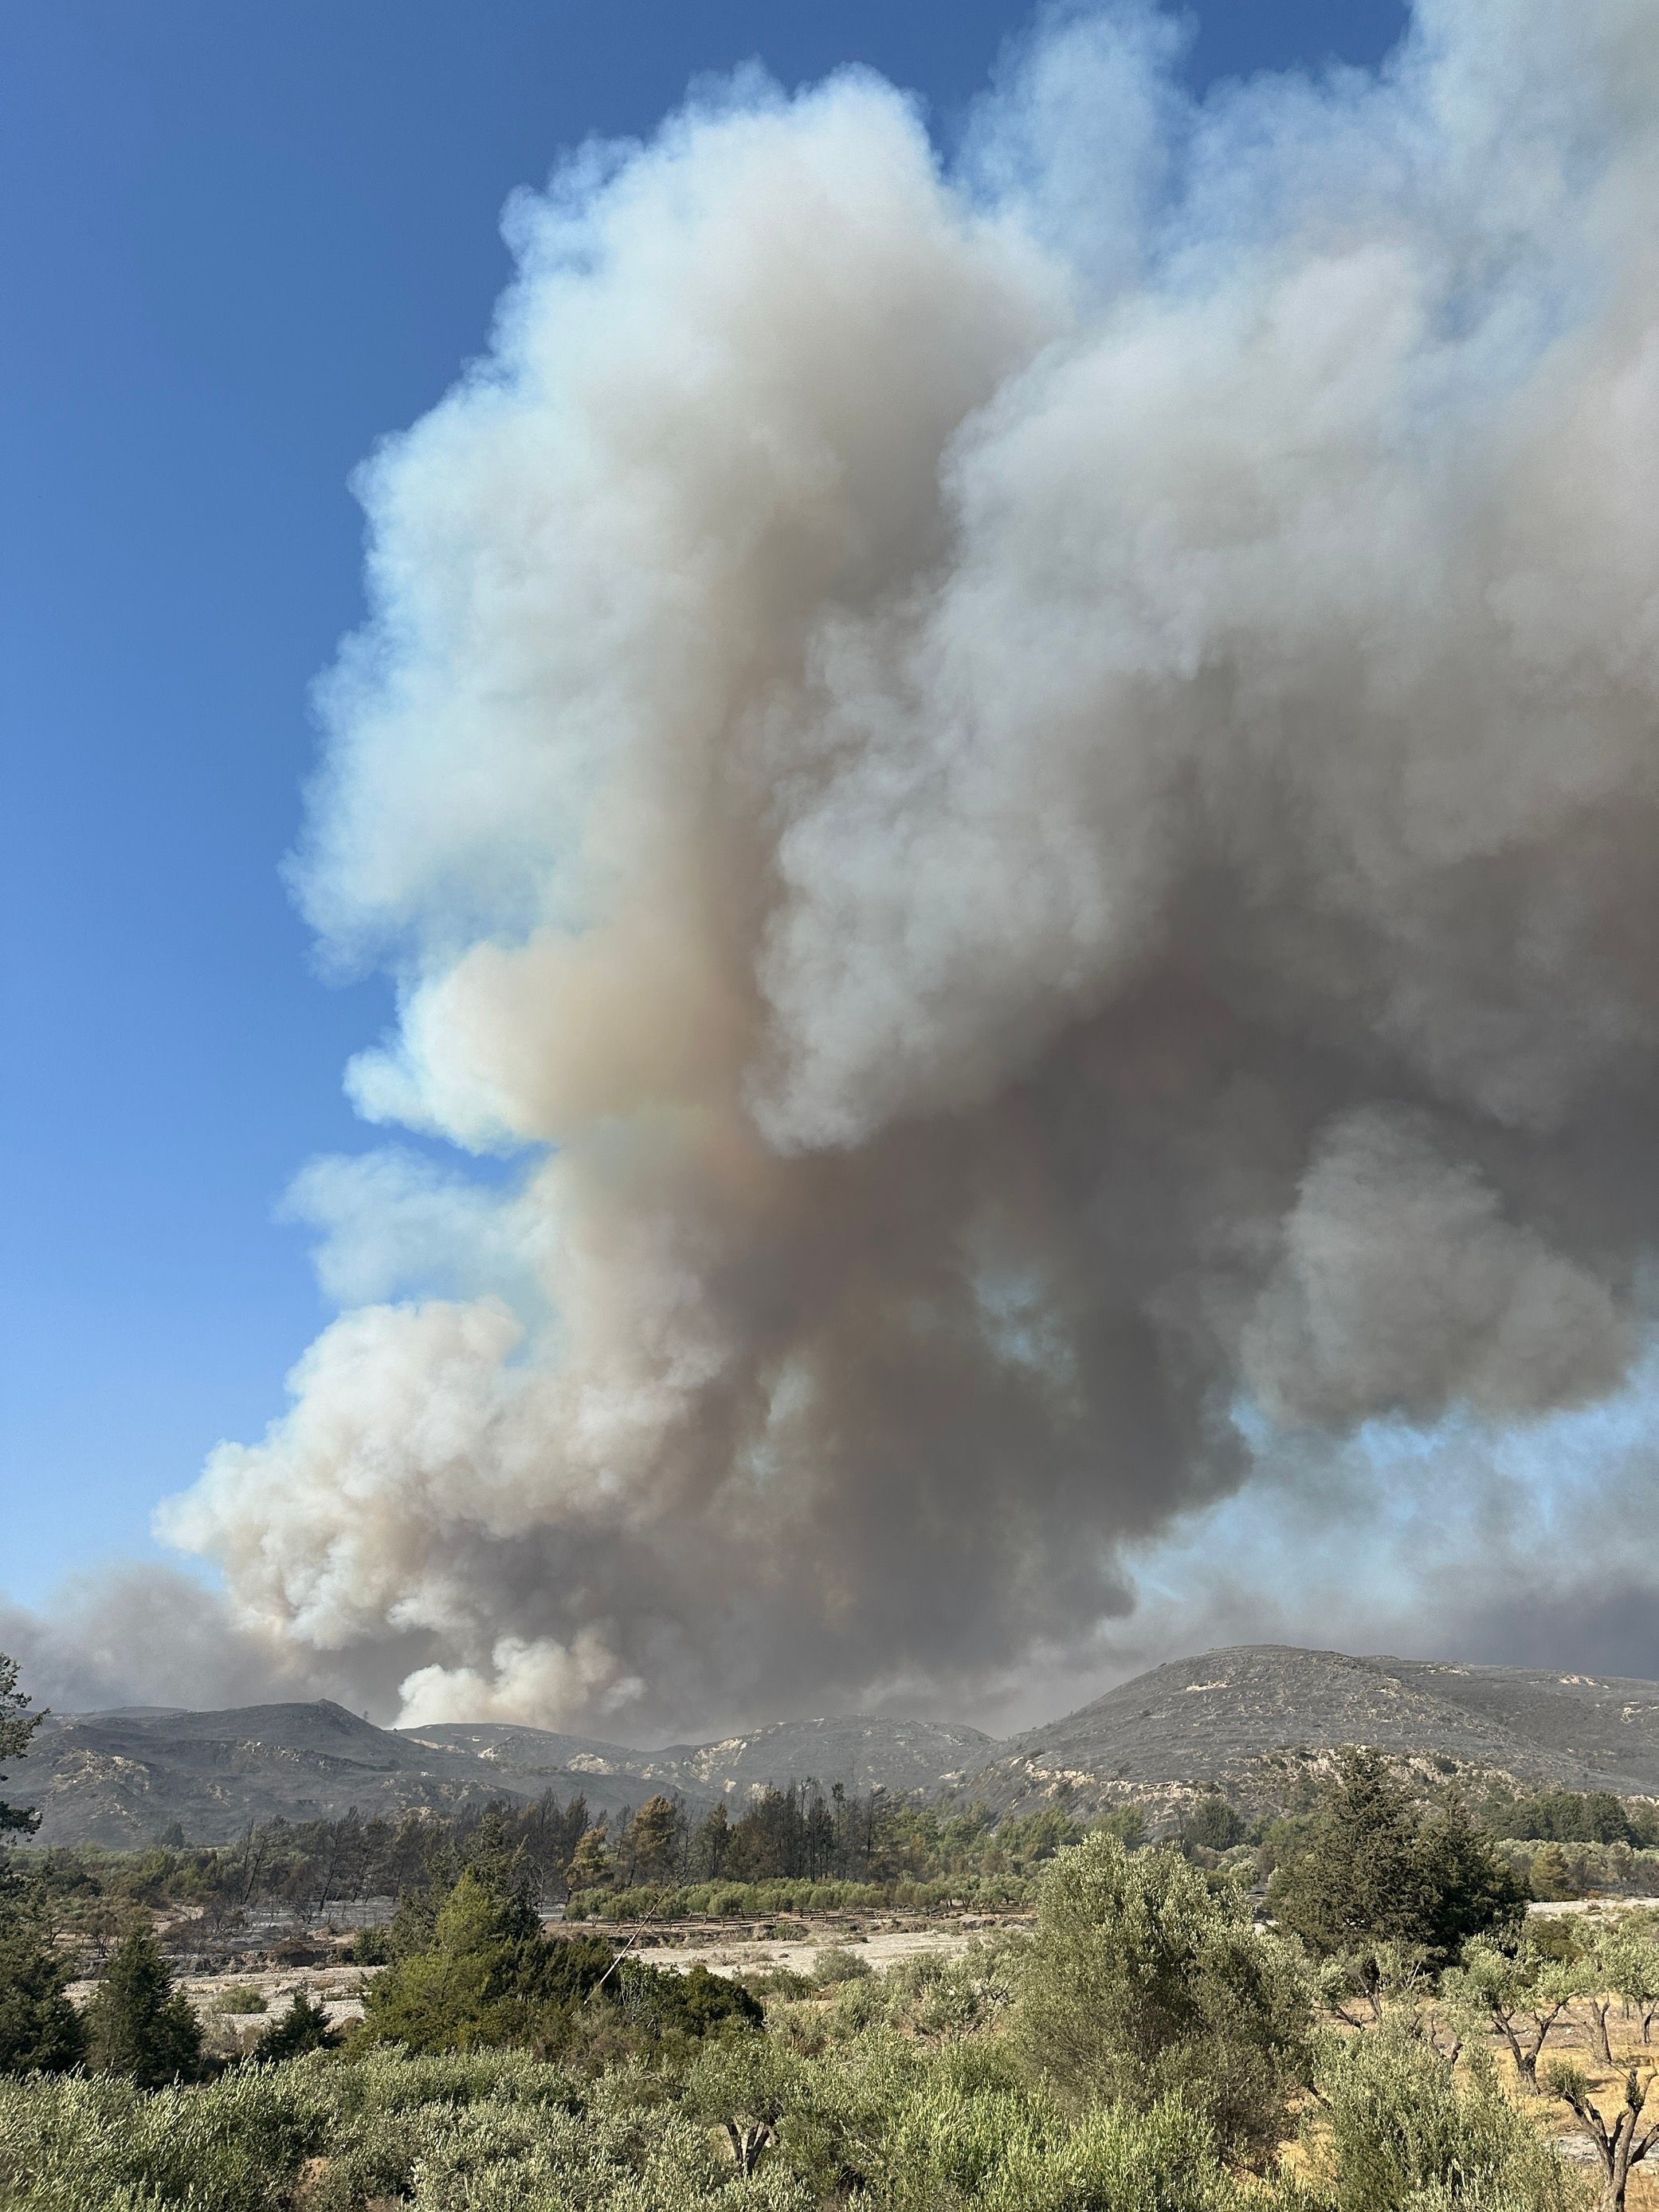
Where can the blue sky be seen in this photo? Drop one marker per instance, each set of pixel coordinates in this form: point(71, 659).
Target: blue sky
point(241, 243)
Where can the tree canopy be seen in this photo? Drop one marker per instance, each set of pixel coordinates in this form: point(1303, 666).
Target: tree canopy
point(1374, 1867)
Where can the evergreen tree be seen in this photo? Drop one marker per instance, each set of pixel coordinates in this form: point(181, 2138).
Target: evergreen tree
point(17, 1725)
point(651, 1846)
point(40, 2031)
point(138, 2024)
point(1468, 1890)
point(590, 1863)
point(489, 1976)
point(713, 1843)
point(1374, 1869)
point(304, 2027)
point(1213, 1825)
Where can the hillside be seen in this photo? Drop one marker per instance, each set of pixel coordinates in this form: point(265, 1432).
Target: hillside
point(1252, 1721)
point(121, 1779)
point(857, 1749)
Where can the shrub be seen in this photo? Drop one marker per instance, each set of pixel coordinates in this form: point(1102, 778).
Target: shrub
point(836, 1964)
point(1142, 1983)
point(1398, 2130)
point(240, 1998)
point(93, 2143)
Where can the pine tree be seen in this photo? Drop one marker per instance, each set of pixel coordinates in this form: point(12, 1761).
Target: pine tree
point(714, 1842)
point(304, 2027)
point(1375, 1870)
point(17, 1725)
point(488, 1976)
point(138, 2024)
point(40, 2031)
point(652, 1844)
point(590, 1863)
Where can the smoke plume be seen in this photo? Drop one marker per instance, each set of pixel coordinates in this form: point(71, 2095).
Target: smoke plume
point(1022, 795)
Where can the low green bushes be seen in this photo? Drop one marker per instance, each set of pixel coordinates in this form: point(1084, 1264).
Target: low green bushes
point(747, 2128)
point(760, 1900)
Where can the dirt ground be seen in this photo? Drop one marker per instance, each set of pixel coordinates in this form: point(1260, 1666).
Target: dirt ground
point(676, 1947)
point(798, 1943)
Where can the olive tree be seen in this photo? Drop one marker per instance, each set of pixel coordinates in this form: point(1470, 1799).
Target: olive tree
point(1519, 1995)
point(1618, 2136)
point(1395, 2123)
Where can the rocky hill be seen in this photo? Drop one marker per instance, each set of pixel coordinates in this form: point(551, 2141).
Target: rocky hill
point(1255, 1721)
point(1251, 1720)
point(121, 1779)
point(857, 1749)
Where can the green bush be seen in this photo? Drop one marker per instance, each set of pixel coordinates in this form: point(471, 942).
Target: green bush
point(760, 1900)
point(836, 1964)
point(240, 1998)
point(1399, 2129)
point(82, 2143)
point(1143, 1983)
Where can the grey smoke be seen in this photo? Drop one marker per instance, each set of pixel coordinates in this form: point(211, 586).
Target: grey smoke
point(1027, 794)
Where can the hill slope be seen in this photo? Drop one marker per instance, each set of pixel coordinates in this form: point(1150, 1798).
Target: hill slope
point(858, 1749)
point(1250, 1720)
point(123, 1780)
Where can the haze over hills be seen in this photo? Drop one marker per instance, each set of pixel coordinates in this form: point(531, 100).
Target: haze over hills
point(1251, 1720)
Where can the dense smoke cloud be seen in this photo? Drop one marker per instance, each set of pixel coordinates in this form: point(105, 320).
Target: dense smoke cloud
point(1027, 792)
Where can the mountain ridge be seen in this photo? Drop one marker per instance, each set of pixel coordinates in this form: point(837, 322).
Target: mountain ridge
point(1253, 1720)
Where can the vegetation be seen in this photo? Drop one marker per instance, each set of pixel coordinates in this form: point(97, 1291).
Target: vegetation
point(138, 2025)
point(1621, 2135)
point(1144, 1985)
point(1565, 1816)
point(40, 2030)
point(1150, 2041)
point(1398, 2125)
point(1374, 1866)
point(17, 1725)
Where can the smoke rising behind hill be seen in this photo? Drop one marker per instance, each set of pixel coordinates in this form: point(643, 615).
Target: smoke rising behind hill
point(1024, 793)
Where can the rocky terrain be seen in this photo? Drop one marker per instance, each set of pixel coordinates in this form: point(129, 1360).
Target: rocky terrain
point(1252, 1721)
point(861, 1752)
point(122, 1779)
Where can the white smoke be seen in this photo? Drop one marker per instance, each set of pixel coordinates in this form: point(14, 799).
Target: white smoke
point(1028, 792)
